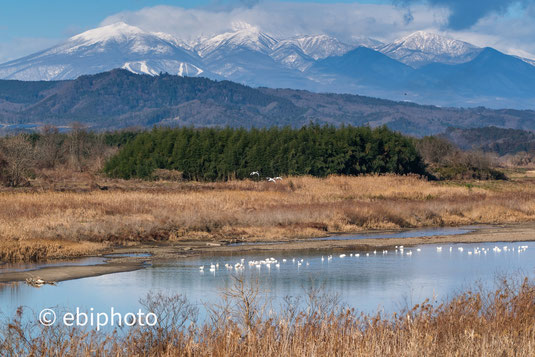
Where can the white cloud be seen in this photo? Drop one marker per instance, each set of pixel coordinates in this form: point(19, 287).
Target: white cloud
point(511, 34)
point(285, 19)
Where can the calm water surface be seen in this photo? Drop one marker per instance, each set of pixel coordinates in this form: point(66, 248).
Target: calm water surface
point(386, 281)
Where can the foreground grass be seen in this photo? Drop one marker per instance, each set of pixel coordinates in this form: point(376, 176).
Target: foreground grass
point(499, 323)
point(46, 224)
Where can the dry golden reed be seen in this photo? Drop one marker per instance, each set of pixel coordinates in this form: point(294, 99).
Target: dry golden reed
point(49, 224)
point(479, 323)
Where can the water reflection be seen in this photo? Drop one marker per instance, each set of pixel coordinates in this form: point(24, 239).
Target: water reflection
point(9, 267)
point(385, 281)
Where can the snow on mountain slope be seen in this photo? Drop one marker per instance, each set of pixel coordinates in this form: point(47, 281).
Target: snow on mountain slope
point(114, 46)
point(154, 68)
point(318, 46)
point(360, 41)
point(292, 56)
point(248, 37)
point(421, 48)
point(243, 56)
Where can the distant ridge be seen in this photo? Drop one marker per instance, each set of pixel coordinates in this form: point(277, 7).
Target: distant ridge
point(120, 99)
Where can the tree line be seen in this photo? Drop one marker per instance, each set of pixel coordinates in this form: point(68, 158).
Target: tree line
point(211, 154)
point(23, 155)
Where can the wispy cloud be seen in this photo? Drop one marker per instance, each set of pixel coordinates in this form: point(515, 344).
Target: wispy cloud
point(508, 25)
point(285, 19)
point(466, 13)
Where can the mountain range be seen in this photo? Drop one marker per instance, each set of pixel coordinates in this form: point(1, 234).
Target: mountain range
point(422, 67)
point(122, 99)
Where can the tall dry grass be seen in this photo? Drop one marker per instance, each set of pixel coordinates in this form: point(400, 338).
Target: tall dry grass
point(496, 323)
point(48, 224)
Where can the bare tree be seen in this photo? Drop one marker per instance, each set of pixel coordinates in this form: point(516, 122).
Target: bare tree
point(436, 150)
point(19, 159)
point(50, 147)
point(78, 145)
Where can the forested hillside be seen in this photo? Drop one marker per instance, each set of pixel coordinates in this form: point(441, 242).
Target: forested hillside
point(492, 139)
point(221, 154)
point(120, 99)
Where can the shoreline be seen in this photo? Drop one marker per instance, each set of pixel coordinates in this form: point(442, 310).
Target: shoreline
point(70, 272)
point(520, 232)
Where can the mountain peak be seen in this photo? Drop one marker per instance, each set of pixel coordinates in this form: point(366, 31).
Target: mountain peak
point(434, 43)
point(115, 31)
point(319, 46)
point(249, 37)
point(421, 48)
point(117, 45)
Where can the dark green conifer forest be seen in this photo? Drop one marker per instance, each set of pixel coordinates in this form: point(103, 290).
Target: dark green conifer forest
point(218, 154)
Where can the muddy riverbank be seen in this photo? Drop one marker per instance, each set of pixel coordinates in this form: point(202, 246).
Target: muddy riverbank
point(128, 259)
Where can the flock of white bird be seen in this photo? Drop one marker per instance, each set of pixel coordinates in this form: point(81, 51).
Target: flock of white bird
point(400, 250)
point(476, 250)
point(269, 179)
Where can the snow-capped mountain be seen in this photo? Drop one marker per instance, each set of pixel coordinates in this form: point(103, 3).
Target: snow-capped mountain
point(243, 56)
point(421, 48)
point(301, 52)
point(292, 56)
point(423, 67)
point(318, 46)
point(248, 37)
point(114, 46)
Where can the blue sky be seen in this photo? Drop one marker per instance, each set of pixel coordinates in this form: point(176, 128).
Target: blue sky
point(509, 25)
point(60, 18)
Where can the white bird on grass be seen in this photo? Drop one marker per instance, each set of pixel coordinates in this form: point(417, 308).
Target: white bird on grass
point(278, 178)
point(271, 179)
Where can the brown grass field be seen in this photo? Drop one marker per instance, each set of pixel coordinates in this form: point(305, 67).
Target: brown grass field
point(474, 323)
point(70, 219)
